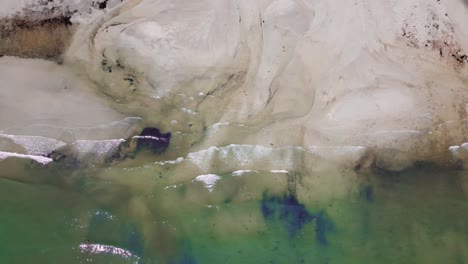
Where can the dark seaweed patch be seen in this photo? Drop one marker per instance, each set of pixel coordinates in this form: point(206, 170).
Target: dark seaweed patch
point(367, 192)
point(288, 211)
point(293, 216)
point(227, 201)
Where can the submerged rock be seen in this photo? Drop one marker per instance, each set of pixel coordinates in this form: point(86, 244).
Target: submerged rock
point(150, 139)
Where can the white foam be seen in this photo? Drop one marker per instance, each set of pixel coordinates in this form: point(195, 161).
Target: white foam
point(279, 171)
point(464, 145)
point(106, 249)
point(215, 127)
point(170, 187)
point(39, 159)
point(454, 149)
point(209, 180)
point(151, 137)
point(242, 172)
point(170, 162)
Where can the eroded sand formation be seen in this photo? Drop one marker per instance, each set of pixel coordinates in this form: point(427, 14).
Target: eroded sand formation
point(289, 73)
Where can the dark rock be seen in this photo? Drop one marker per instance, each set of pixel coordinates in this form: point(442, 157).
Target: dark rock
point(105, 66)
point(102, 4)
point(130, 79)
point(152, 139)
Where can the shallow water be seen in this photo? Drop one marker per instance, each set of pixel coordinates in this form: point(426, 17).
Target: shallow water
point(325, 216)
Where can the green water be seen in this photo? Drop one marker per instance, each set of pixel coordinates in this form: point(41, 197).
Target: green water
point(419, 216)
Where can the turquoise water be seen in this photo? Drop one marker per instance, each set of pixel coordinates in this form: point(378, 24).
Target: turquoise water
point(418, 216)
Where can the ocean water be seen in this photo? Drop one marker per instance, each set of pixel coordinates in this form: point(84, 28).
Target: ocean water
point(133, 215)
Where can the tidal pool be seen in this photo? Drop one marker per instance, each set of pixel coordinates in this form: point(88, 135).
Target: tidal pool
point(325, 216)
